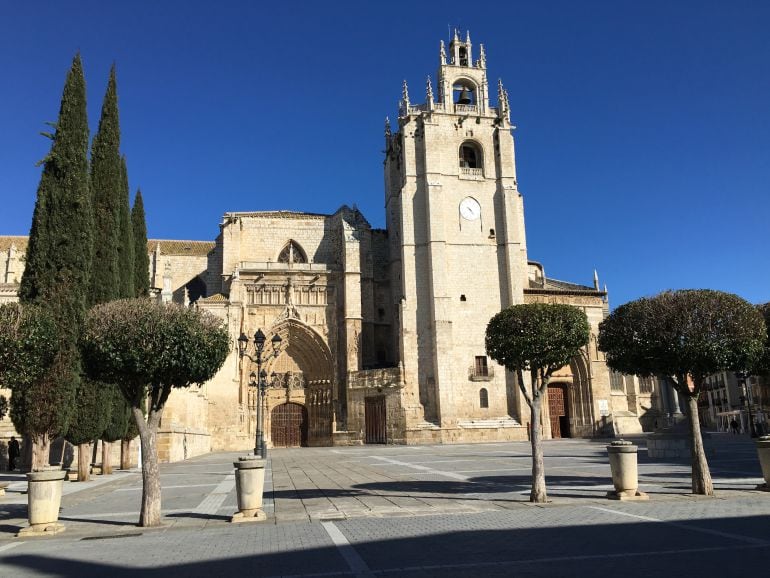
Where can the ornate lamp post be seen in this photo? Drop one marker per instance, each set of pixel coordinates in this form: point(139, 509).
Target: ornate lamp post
point(747, 397)
point(258, 380)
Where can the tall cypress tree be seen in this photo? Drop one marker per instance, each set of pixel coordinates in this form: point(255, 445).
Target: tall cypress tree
point(106, 186)
point(58, 266)
point(95, 399)
point(126, 244)
point(141, 258)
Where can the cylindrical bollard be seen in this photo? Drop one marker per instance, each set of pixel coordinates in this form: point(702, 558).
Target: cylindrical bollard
point(249, 487)
point(44, 489)
point(622, 456)
point(763, 451)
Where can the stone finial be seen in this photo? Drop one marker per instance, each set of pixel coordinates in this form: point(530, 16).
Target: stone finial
point(468, 37)
point(405, 93)
point(502, 100)
point(457, 36)
point(596, 280)
point(482, 56)
point(388, 132)
point(429, 92)
point(442, 53)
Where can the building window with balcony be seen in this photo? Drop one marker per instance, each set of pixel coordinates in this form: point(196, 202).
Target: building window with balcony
point(483, 398)
point(470, 155)
point(482, 370)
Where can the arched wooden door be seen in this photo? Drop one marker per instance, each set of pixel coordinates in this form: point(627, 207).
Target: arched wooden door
point(557, 408)
point(288, 425)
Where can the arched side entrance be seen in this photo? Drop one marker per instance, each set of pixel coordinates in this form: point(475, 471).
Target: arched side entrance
point(558, 410)
point(288, 425)
point(305, 369)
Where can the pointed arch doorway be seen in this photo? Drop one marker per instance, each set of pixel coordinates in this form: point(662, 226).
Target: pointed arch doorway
point(301, 401)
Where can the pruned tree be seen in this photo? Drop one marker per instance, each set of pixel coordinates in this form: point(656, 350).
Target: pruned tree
point(29, 353)
point(58, 266)
point(539, 339)
point(685, 336)
point(148, 349)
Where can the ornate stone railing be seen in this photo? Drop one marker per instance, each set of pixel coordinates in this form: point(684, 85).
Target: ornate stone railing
point(474, 374)
point(466, 108)
point(471, 172)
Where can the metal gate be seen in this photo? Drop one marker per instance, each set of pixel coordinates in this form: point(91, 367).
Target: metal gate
point(288, 426)
point(374, 417)
point(557, 408)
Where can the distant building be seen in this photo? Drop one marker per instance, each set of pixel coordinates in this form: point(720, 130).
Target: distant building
point(383, 330)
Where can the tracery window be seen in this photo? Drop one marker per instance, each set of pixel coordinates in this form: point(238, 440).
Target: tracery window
point(616, 381)
point(292, 253)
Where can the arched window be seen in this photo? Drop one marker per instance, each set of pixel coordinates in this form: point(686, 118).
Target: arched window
point(470, 155)
point(464, 92)
point(292, 253)
point(483, 398)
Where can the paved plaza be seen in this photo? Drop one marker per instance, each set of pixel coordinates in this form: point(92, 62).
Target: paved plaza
point(447, 511)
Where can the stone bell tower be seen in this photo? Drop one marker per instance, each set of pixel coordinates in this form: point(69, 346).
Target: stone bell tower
point(458, 254)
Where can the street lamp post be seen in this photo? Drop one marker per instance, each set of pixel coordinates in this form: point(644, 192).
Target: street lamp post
point(258, 380)
point(747, 398)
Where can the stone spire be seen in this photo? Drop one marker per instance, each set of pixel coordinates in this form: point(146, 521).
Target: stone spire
point(502, 100)
point(388, 132)
point(404, 104)
point(482, 57)
point(596, 280)
point(442, 53)
point(429, 93)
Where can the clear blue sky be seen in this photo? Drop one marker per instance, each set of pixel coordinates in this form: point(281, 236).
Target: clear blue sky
point(643, 141)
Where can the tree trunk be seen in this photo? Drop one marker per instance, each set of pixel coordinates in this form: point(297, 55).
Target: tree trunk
point(125, 454)
point(538, 493)
point(701, 476)
point(41, 450)
point(106, 458)
point(148, 436)
point(84, 462)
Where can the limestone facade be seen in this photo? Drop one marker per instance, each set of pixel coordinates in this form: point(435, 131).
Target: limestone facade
point(382, 331)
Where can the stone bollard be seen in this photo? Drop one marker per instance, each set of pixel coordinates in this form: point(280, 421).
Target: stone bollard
point(763, 450)
point(622, 455)
point(249, 486)
point(43, 500)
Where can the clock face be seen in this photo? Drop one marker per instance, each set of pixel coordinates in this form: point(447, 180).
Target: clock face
point(470, 209)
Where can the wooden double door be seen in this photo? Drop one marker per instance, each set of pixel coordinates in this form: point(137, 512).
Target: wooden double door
point(288, 425)
point(558, 409)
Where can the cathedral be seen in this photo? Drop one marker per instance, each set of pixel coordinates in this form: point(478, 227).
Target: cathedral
point(382, 331)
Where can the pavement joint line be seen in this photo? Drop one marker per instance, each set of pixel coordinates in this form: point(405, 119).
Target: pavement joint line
point(217, 497)
point(139, 488)
point(354, 561)
point(9, 546)
point(425, 469)
point(603, 556)
point(739, 537)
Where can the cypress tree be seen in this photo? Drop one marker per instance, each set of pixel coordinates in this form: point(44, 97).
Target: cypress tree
point(95, 398)
point(141, 258)
point(58, 263)
point(106, 186)
point(126, 244)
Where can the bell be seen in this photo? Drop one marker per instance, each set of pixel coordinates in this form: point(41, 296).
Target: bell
point(465, 97)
